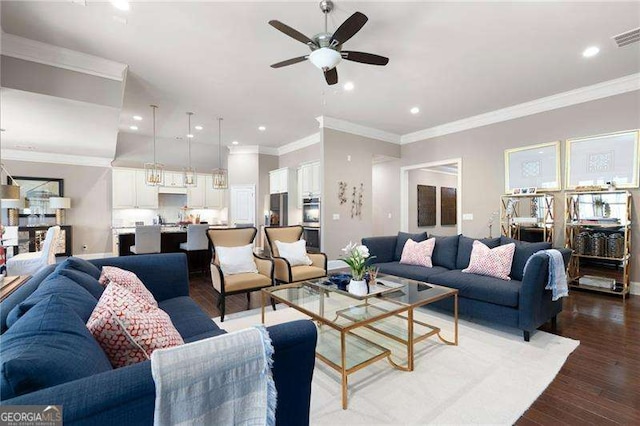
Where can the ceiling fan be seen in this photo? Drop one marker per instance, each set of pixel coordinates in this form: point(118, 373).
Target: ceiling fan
point(326, 48)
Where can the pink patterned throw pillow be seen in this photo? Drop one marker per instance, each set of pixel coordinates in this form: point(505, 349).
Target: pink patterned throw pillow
point(128, 328)
point(128, 280)
point(495, 262)
point(418, 254)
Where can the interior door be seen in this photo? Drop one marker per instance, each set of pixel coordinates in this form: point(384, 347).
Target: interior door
point(243, 204)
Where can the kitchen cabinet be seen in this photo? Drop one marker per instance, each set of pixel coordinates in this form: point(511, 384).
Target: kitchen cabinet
point(196, 194)
point(214, 198)
point(311, 181)
point(316, 179)
point(300, 190)
point(173, 179)
point(279, 181)
point(129, 190)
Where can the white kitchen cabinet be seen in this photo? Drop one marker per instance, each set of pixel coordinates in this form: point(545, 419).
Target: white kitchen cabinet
point(214, 198)
point(146, 196)
point(316, 179)
point(129, 190)
point(300, 190)
point(123, 188)
point(282, 180)
point(275, 181)
point(311, 181)
point(196, 194)
point(173, 179)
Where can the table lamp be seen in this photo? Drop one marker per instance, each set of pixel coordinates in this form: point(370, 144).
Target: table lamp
point(60, 204)
point(12, 205)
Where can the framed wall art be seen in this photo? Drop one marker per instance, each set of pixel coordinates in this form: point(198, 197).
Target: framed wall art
point(448, 210)
point(533, 166)
point(610, 159)
point(36, 191)
point(426, 205)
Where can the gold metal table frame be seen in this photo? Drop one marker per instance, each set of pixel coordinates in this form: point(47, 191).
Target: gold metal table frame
point(331, 332)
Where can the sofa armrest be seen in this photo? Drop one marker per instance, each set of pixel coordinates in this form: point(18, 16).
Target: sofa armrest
point(282, 270)
point(127, 395)
point(535, 304)
point(319, 260)
point(265, 266)
point(165, 275)
point(383, 248)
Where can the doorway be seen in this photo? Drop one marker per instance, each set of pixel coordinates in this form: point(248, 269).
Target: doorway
point(438, 207)
point(243, 205)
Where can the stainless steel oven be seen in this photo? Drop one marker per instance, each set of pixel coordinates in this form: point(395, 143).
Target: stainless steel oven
point(311, 211)
point(312, 237)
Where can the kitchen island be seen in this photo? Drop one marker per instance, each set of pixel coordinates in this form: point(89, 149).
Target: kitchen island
point(170, 238)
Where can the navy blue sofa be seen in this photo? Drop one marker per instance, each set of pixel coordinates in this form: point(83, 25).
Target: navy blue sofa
point(127, 395)
point(521, 302)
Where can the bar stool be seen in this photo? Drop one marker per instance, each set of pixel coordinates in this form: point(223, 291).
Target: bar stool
point(147, 240)
point(197, 248)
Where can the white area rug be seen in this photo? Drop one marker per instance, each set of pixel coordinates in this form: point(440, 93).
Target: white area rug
point(491, 377)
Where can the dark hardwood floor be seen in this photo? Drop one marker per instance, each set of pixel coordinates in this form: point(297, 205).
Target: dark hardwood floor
point(599, 383)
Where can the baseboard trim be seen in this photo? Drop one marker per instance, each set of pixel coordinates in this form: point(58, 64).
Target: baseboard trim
point(335, 264)
point(634, 288)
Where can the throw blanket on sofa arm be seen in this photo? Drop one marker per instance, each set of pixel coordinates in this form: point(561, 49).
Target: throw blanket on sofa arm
point(221, 380)
point(557, 280)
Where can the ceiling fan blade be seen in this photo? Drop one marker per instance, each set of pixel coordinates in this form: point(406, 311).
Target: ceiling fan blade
point(331, 76)
point(349, 28)
point(293, 33)
point(365, 58)
point(290, 62)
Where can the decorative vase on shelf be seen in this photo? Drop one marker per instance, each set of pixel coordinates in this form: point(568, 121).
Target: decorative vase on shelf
point(358, 287)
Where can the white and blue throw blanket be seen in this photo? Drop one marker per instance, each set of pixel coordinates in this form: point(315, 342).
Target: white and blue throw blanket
point(221, 380)
point(557, 280)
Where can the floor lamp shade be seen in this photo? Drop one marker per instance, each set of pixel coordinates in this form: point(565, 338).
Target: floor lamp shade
point(60, 204)
point(11, 192)
point(13, 206)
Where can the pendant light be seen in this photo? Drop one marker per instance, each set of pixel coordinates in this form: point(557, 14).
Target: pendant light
point(154, 172)
point(220, 175)
point(189, 173)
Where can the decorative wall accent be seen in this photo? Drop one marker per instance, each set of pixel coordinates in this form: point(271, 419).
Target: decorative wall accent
point(356, 201)
point(342, 192)
point(448, 209)
point(604, 159)
point(36, 191)
point(534, 166)
point(426, 205)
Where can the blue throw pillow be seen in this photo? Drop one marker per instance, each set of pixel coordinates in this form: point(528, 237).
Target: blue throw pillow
point(402, 240)
point(76, 297)
point(49, 346)
point(80, 265)
point(524, 250)
point(445, 252)
point(465, 245)
point(85, 280)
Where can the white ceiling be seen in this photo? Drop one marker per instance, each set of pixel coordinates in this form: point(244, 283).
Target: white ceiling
point(453, 60)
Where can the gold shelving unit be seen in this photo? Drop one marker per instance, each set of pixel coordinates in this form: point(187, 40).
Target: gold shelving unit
point(594, 218)
point(528, 213)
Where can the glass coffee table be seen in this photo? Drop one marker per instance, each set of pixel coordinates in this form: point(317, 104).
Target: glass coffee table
point(356, 331)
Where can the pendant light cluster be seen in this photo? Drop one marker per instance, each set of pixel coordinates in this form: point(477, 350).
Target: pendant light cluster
point(220, 175)
point(189, 173)
point(154, 172)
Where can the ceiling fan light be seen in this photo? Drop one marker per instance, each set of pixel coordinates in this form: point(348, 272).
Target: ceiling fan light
point(325, 58)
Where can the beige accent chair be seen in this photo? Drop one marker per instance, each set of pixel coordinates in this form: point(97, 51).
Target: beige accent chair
point(238, 283)
point(284, 272)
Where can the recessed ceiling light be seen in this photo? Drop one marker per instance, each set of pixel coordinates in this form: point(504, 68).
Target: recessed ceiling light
point(590, 51)
point(414, 110)
point(262, 128)
point(120, 4)
point(348, 86)
point(234, 143)
point(133, 127)
point(190, 135)
point(137, 118)
point(199, 127)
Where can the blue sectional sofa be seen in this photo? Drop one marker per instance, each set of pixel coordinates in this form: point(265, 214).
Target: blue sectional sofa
point(521, 302)
point(53, 307)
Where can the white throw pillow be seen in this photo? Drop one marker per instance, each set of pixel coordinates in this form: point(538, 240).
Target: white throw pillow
point(295, 253)
point(236, 260)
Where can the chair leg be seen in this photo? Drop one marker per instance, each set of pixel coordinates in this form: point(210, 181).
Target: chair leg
point(222, 307)
point(526, 335)
point(554, 322)
point(273, 304)
point(248, 299)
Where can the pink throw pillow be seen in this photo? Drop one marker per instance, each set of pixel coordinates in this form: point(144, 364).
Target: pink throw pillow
point(128, 280)
point(419, 254)
point(128, 328)
point(495, 262)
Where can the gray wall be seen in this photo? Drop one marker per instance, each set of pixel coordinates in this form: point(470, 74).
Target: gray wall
point(90, 191)
point(336, 147)
point(386, 184)
point(423, 177)
point(482, 153)
point(306, 154)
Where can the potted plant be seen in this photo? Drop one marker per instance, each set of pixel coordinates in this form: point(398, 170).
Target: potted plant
point(356, 257)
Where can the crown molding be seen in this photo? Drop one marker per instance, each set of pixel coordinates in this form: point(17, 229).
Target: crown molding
point(299, 144)
point(49, 157)
point(47, 54)
point(594, 92)
point(357, 129)
point(253, 149)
